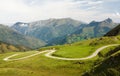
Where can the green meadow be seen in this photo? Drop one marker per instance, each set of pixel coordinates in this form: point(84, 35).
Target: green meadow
point(40, 65)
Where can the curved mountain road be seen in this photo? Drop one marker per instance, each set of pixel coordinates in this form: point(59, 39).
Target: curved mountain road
point(50, 52)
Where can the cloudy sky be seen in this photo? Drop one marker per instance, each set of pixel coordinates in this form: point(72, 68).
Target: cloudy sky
point(12, 11)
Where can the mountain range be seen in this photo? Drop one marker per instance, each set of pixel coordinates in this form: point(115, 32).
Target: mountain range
point(65, 30)
point(48, 29)
point(92, 30)
point(53, 32)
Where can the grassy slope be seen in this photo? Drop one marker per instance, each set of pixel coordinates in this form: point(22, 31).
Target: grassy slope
point(74, 51)
point(4, 47)
point(42, 66)
point(108, 63)
point(83, 48)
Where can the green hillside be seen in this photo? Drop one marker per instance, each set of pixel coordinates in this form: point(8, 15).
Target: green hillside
point(108, 66)
point(4, 47)
point(109, 59)
point(88, 46)
point(11, 36)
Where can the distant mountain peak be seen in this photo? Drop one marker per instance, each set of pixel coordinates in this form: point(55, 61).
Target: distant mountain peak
point(21, 24)
point(93, 21)
point(108, 20)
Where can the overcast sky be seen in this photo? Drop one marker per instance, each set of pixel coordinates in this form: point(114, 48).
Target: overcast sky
point(12, 11)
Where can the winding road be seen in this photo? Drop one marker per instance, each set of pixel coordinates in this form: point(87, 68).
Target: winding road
point(50, 52)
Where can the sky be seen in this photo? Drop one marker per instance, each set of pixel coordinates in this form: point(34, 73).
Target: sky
point(12, 11)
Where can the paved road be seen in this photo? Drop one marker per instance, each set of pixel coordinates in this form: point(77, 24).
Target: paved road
point(8, 58)
point(50, 52)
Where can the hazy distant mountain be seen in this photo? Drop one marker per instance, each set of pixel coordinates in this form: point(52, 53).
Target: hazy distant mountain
point(11, 36)
point(92, 30)
point(49, 29)
point(114, 32)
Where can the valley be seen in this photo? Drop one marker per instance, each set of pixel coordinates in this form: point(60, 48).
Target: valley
point(50, 52)
point(51, 63)
point(63, 55)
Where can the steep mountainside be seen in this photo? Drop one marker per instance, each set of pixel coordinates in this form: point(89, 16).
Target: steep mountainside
point(114, 32)
point(4, 47)
point(11, 36)
point(108, 63)
point(49, 29)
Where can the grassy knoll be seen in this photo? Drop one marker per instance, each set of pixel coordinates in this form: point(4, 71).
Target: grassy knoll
point(75, 51)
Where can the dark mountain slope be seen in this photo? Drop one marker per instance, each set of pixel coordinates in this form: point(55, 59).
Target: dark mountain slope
point(110, 66)
point(114, 32)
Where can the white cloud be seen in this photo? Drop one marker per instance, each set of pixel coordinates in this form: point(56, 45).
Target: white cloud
point(31, 10)
point(116, 14)
point(12, 6)
point(94, 3)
